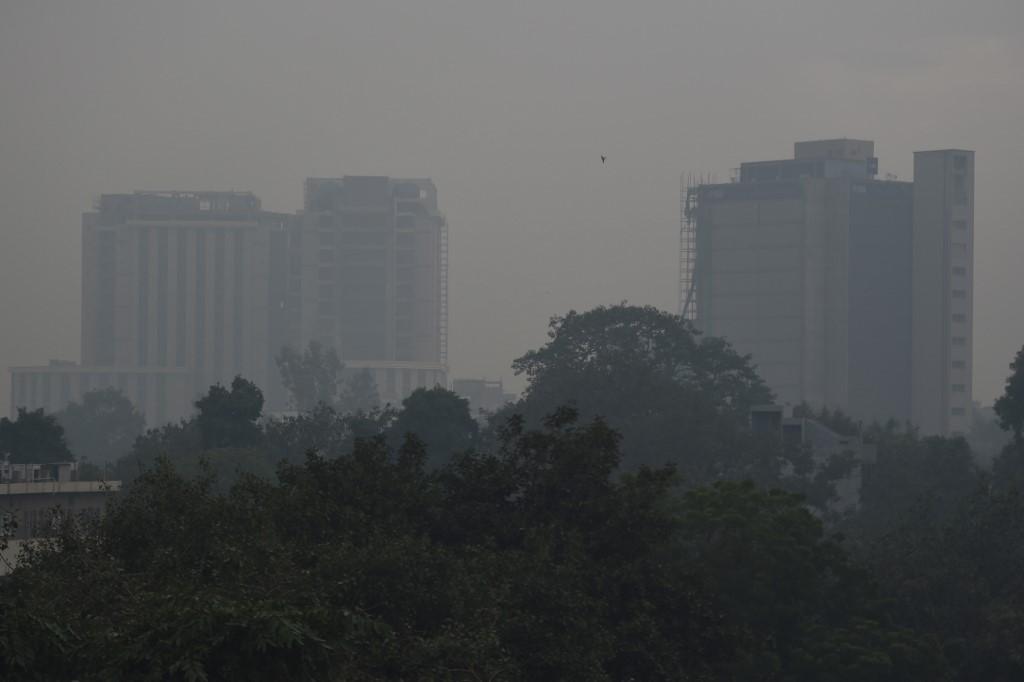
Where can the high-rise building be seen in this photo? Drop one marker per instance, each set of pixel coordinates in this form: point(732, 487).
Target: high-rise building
point(181, 290)
point(176, 295)
point(373, 256)
point(848, 291)
point(943, 288)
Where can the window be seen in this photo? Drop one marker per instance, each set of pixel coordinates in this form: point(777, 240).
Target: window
point(959, 224)
point(960, 271)
point(959, 249)
point(958, 388)
point(960, 163)
point(959, 364)
point(959, 293)
point(959, 318)
point(959, 341)
point(958, 412)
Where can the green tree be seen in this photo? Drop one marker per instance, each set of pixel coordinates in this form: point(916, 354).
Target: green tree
point(1008, 467)
point(673, 395)
point(311, 377)
point(228, 418)
point(1010, 406)
point(958, 579)
point(323, 430)
point(914, 478)
point(440, 419)
point(358, 393)
point(102, 427)
point(34, 437)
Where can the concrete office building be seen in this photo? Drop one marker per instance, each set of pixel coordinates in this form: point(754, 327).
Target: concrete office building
point(179, 290)
point(848, 291)
point(373, 257)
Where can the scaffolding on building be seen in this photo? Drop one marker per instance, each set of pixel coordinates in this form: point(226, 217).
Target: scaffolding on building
point(442, 318)
point(689, 186)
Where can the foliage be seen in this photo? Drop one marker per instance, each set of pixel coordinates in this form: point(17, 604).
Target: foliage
point(440, 419)
point(960, 580)
point(403, 544)
point(986, 438)
point(34, 437)
point(228, 418)
point(1010, 406)
point(102, 427)
point(323, 430)
point(317, 376)
point(534, 561)
point(673, 395)
point(358, 393)
point(914, 478)
point(311, 377)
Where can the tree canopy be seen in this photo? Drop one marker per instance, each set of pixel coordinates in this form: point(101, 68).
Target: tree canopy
point(661, 541)
point(317, 376)
point(228, 417)
point(33, 437)
point(311, 377)
point(440, 419)
point(102, 427)
point(534, 561)
point(1010, 406)
point(674, 395)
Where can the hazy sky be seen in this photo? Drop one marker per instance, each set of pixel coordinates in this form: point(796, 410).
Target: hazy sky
point(507, 106)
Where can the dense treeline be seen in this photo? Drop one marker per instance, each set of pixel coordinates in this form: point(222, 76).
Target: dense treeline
point(619, 522)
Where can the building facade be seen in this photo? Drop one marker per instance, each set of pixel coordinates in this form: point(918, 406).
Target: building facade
point(30, 494)
point(181, 290)
point(177, 294)
point(848, 291)
point(372, 258)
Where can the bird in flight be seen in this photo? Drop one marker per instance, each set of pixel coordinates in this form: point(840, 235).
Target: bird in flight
point(603, 158)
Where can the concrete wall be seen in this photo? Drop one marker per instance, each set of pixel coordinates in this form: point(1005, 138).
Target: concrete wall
point(30, 505)
point(879, 361)
point(751, 255)
point(943, 276)
point(371, 269)
point(162, 394)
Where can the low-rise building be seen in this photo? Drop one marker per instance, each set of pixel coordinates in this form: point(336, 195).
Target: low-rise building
point(30, 495)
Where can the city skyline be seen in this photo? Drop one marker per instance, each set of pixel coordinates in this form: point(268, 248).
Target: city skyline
point(509, 115)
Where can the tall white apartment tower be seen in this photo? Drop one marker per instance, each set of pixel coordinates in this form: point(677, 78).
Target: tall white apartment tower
point(943, 287)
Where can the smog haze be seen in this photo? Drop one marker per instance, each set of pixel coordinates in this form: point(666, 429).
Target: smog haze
point(509, 108)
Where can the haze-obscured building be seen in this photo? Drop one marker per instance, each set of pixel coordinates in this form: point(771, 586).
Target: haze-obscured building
point(482, 394)
point(372, 258)
point(848, 291)
point(181, 290)
point(778, 422)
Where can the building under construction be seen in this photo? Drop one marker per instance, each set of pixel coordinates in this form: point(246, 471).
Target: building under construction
point(848, 291)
